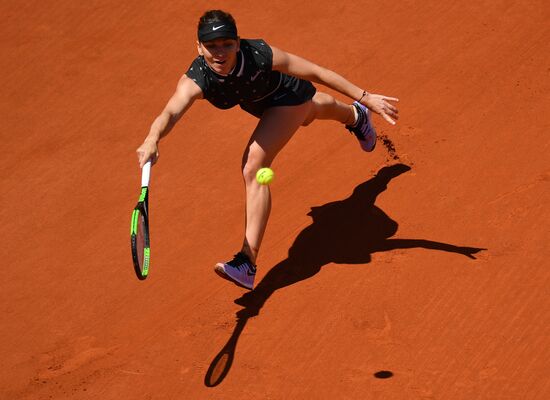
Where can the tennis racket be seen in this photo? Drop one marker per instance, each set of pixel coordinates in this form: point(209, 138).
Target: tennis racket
point(139, 230)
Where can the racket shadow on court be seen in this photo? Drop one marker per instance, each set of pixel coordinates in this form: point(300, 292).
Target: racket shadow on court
point(342, 232)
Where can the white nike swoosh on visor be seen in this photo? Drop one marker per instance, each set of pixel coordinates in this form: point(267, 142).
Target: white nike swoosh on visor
point(215, 28)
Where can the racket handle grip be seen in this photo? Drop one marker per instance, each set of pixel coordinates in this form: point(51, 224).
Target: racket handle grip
point(146, 174)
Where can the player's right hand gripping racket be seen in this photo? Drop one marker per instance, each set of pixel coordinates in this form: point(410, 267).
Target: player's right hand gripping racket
point(139, 231)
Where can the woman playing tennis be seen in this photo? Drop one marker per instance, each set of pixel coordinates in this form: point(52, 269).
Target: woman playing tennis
point(274, 86)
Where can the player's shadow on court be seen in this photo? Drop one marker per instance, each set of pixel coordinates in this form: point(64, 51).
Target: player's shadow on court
point(343, 232)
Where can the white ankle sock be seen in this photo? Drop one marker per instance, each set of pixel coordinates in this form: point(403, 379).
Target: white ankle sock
point(356, 115)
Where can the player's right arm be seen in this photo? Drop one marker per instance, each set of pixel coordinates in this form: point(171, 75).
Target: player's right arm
point(186, 93)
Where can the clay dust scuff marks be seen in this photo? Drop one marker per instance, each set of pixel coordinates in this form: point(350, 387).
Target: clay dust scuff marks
point(71, 357)
point(542, 179)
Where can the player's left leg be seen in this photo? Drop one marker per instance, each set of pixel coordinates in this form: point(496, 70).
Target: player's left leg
point(327, 107)
point(355, 116)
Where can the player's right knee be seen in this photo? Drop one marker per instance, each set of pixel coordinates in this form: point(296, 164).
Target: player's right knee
point(249, 169)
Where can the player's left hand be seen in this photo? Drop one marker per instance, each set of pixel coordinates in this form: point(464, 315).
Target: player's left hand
point(380, 104)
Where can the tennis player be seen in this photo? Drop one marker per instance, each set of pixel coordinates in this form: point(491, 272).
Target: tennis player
point(276, 87)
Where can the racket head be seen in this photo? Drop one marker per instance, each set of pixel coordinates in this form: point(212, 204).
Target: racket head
point(139, 236)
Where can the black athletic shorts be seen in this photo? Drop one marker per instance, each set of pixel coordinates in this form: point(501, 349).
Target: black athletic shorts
point(291, 92)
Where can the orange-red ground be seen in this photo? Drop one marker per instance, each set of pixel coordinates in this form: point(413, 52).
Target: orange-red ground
point(371, 280)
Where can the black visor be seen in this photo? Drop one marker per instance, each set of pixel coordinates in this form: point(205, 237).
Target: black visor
point(215, 30)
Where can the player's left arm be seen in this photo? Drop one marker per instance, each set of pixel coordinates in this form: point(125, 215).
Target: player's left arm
point(301, 68)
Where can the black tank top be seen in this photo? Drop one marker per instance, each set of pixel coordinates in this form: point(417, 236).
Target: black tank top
point(251, 81)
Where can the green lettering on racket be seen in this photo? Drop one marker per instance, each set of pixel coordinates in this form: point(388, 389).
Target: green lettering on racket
point(133, 226)
point(143, 194)
point(146, 255)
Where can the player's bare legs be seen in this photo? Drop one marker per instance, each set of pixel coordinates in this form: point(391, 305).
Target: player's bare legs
point(327, 107)
point(356, 117)
point(275, 129)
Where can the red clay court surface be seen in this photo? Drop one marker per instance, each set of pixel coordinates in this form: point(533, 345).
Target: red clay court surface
point(365, 287)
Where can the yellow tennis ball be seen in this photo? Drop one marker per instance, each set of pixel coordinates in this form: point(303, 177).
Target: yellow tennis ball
point(264, 176)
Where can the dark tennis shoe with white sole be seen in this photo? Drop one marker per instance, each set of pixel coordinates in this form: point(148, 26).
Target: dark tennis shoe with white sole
point(363, 129)
point(239, 270)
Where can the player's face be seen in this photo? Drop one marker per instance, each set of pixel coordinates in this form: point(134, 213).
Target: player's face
point(220, 54)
